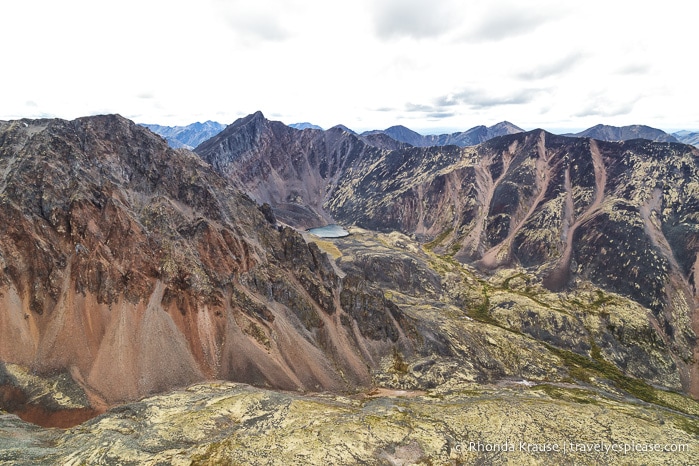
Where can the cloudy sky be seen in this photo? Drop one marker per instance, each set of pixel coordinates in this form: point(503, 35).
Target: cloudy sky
point(431, 65)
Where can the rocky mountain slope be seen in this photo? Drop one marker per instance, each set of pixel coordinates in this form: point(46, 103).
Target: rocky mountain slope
point(471, 137)
point(187, 137)
point(625, 133)
point(620, 215)
point(129, 268)
point(296, 171)
point(289, 169)
point(560, 207)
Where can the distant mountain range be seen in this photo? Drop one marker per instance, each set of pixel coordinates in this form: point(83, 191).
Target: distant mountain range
point(304, 125)
point(189, 136)
point(397, 137)
point(470, 137)
point(688, 137)
point(392, 138)
point(625, 133)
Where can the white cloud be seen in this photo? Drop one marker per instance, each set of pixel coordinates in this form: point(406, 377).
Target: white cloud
point(261, 20)
point(502, 20)
point(552, 66)
point(415, 18)
point(601, 105)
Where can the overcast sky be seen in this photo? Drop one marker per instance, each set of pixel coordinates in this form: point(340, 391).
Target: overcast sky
point(431, 65)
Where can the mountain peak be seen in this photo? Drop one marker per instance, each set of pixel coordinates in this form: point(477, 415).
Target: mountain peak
point(343, 128)
point(506, 127)
point(257, 116)
point(407, 135)
point(400, 128)
point(254, 119)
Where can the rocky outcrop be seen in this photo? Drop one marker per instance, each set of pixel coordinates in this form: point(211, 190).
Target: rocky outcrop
point(132, 268)
point(211, 424)
point(487, 327)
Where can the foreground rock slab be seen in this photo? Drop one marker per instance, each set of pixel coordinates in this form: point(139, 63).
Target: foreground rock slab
point(227, 423)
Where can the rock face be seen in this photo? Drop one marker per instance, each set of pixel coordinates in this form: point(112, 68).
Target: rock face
point(187, 137)
point(625, 133)
point(132, 268)
point(620, 215)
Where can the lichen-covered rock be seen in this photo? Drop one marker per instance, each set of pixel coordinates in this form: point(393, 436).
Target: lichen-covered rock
point(234, 424)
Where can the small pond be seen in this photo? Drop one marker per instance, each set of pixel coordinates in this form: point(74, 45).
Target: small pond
point(329, 231)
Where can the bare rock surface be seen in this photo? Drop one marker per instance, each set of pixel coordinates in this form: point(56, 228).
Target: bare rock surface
point(212, 424)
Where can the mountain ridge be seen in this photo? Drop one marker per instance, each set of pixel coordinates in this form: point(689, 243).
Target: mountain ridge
point(263, 158)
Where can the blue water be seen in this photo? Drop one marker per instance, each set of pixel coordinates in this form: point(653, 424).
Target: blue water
point(329, 231)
